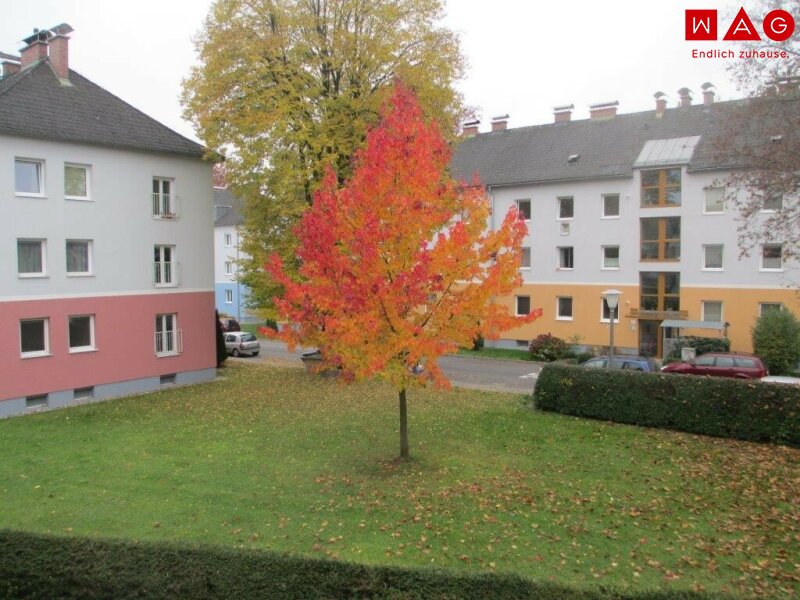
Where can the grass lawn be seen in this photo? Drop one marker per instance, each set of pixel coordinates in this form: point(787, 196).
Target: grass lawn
point(276, 458)
point(505, 353)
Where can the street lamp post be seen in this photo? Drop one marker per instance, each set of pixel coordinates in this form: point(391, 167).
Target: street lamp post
point(612, 299)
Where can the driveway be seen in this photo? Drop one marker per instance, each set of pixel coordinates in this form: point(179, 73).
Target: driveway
point(516, 376)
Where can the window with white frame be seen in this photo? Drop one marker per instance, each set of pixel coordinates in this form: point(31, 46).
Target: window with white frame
point(523, 306)
point(765, 307)
point(34, 337)
point(566, 207)
point(164, 266)
point(714, 200)
point(164, 199)
point(772, 257)
point(76, 182)
point(712, 257)
point(167, 336)
point(524, 208)
point(81, 333)
point(773, 203)
point(610, 206)
point(28, 177)
point(712, 311)
point(228, 296)
point(229, 268)
point(605, 312)
point(79, 257)
point(566, 257)
point(31, 258)
point(228, 240)
point(525, 259)
point(611, 257)
point(564, 308)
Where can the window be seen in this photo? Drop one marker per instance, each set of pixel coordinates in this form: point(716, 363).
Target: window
point(167, 335)
point(773, 203)
point(228, 296)
point(712, 311)
point(661, 238)
point(564, 308)
point(228, 268)
point(659, 291)
point(228, 240)
point(76, 182)
point(661, 187)
point(523, 343)
point(765, 307)
point(771, 257)
point(712, 257)
point(81, 333)
point(524, 208)
point(86, 393)
point(610, 257)
point(525, 260)
point(605, 314)
point(566, 207)
point(610, 205)
point(37, 401)
point(714, 201)
point(33, 337)
point(31, 258)
point(164, 266)
point(523, 305)
point(168, 379)
point(705, 361)
point(29, 177)
point(566, 258)
point(164, 201)
point(79, 257)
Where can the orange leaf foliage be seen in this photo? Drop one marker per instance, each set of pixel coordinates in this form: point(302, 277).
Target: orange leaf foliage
point(399, 266)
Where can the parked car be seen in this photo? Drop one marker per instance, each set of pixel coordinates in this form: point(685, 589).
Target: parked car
point(229, 324)
point(721, 364)
point(241, 342)
point(628, 363)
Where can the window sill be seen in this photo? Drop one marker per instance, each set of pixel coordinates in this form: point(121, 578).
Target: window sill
point(565, 219)
point(167, 354)
point(27, 195)
point(33, 276)
point(159, 286)
point(35, 355)
point(525, 269)
point(82, 350)
point(79, 198)
point(564, 318)
point(763, 270)
point(79, 275)
point(713, 214)
point(565, 268)
point(713, 270)
point(165, 218)
point(609, 217)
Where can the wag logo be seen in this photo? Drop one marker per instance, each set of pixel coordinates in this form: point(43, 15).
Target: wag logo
point(701, 25)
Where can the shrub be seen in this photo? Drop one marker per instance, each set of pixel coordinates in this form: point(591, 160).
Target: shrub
point(702, 345)
point(44, 566)
point(222, 351)
point(745, 410)
point(547, 348)
point(776, 339)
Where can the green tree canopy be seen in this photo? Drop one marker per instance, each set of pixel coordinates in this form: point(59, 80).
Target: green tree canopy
point(286, 88)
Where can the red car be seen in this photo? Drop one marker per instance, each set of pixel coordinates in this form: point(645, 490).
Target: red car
point(720, 364)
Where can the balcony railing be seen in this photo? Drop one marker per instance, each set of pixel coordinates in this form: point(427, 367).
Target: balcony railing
point(165, 206)
point(166, 274)
point(636, 313)
point(168, 342)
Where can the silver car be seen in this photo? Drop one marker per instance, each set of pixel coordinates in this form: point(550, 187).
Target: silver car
point(241, 342)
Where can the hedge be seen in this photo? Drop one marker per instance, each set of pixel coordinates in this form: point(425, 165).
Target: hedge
point(717, 406)
point(43, 566)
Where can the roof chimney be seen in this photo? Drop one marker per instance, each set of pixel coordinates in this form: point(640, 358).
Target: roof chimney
point(685, 95)
point(470, 128)
point(9, 68)
point(708, 93)
point(661, 103)
point(59, 50)
point(36, 48)
point(603, 110)
point(500, 123)
point(563, 114)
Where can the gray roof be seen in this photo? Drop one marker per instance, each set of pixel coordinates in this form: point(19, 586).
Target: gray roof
point(606, 147)
point(227, 208)
point(34, 104)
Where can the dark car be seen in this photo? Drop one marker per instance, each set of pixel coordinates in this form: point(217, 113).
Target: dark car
point(721, 364)
point(229, 324)
point(628, 363)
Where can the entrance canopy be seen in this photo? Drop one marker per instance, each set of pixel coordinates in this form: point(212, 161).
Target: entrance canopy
point(678, 323)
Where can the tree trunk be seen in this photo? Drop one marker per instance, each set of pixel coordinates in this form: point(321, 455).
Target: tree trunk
point(403, 425)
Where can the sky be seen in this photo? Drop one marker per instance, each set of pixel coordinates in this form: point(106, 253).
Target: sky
point(524, 57)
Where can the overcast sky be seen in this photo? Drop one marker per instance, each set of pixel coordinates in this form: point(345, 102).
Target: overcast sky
point(524, 57)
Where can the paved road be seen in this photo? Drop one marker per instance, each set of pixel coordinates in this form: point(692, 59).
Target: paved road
point(478, 373)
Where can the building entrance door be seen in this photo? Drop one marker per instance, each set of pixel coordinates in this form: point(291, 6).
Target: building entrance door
point(650, 338)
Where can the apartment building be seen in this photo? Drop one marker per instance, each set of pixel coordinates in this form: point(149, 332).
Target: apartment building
point(106, 277)
point(230, 294)
point(630, 202)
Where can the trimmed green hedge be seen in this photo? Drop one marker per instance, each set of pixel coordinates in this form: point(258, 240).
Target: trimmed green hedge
point(40, 566)
point(745, 410)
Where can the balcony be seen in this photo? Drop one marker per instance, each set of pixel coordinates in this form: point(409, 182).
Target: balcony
point(165, 206)
point(166, 274)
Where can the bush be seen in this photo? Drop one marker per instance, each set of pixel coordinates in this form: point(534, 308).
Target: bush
point(222, 351)
point(745, 410)
point(702, 345)
point(548, 348)
point(43, 566)
point(776, 339)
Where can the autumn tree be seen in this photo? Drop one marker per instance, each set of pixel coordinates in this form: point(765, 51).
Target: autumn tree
point(762, 134)
point(397, 264)
point(287, 88)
